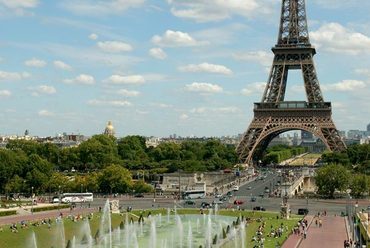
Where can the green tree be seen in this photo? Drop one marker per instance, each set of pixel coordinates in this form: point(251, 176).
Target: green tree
point(359, 185)
point(15, 185)
point(99, 151)
point(115, 178)
point(132, 148)
point(142, 187)
point(331, 178)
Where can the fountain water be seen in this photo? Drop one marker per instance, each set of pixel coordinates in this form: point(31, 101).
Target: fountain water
point(152, 232)
point(106, 225)
point(33, 243)
point(59, 240)
point(190, 236)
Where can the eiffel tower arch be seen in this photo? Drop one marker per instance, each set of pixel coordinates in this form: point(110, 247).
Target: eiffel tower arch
point(273, 115)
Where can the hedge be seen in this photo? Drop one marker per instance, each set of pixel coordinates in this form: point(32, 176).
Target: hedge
point(49, 208)
point(7, 213)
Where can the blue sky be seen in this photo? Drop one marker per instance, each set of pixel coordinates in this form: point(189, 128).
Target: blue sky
point(158, 67)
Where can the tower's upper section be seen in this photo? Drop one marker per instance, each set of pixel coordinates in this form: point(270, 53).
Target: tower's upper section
point(293, 24)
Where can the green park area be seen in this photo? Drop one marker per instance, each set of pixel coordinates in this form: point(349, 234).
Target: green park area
point(48, 236)
point(308, 159)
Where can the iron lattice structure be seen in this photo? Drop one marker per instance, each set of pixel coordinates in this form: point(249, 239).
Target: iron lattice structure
point(273, 115)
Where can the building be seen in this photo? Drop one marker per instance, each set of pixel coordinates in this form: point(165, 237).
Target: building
point(109, 129)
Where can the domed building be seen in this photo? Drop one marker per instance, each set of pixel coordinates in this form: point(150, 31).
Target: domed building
point(109, 129)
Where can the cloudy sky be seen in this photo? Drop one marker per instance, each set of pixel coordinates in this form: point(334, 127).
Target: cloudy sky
point(159, 67)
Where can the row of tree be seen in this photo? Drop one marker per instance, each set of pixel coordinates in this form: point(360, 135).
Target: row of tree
point(27, 164)
point(279, 153)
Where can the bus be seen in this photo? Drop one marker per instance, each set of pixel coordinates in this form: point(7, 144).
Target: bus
point(194, 194)
point(76, 197)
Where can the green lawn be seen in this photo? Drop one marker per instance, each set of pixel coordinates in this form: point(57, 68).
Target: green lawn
point(47, 238)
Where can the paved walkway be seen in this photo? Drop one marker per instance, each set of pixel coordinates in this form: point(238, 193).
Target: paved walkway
point(294, 240)
point(332, 234)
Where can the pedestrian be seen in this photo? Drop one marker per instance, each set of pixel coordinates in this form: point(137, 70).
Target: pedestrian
point(320, 223)
point(305, 234)
point(316, 222)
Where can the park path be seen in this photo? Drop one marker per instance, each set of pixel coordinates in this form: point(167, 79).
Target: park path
point(332, 234)
point(44, 215)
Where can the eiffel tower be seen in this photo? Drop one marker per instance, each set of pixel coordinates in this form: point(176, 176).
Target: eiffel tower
point(273, 115)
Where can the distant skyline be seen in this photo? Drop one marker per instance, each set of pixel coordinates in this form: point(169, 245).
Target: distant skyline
point(171, 66)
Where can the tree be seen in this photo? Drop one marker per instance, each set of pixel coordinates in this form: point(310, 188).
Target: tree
point(115, 178)
point(99, 151)
point(331, 178)
point(359, 185)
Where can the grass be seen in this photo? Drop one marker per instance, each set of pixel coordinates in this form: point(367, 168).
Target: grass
point(48, 238)
point(308, 159)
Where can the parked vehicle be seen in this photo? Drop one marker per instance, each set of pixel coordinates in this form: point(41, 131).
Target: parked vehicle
point(253, 199)
point(238, 202)
point(189, 202)
point(236, 188)
point(205, 205)
point(259, 208)
point(302, 211)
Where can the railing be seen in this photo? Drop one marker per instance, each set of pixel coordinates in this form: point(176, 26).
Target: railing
point(292, 105)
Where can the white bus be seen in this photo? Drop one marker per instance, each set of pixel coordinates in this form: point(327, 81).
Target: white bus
point(194, 194)
point(76, 197)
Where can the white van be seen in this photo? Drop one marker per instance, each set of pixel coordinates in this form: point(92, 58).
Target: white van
point(236, 188)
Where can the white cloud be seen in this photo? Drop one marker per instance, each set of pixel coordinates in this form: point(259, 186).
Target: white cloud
point(184, 117)
point(345, 85)
point(14, 4)
point(161, 105)
point(96, 8)
point(5, 93)
point(93, 36)
point(203, 11)
point(114, 46)
point(176, 39)
point(254, 88)
point(219, 110)
point(206, 67)
point(81, 79)
point(203, 88)
point(35, 63)
point(261, 57)
point(45, 113)
point(13, 76)
point(113, 103)
point(131, 79)
point(61, 65)
point(335, 38)
point(157, 53)
point(364, 72)
point(43, 90)
point(128, 93)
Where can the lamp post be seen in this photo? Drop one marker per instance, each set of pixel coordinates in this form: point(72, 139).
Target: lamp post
point(60, 199)
point(81, 195)
point(32, 199)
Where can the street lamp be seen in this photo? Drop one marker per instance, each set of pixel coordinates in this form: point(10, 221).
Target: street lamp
point(32, 199)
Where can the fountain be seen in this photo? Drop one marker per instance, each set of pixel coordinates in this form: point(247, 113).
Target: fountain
point(206, 230)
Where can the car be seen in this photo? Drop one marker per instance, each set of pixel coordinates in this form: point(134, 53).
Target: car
point(302, 211)
point(189, 202)
point(267, 191)
point(262, 195)
point(230, 194)
point(205, 205)
point(236, 188)
point(249, 188)
point(238, 202)
point(218, 195)
point(253, 199)
point(224, 198)
point(139, 195)
point(259, 208)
